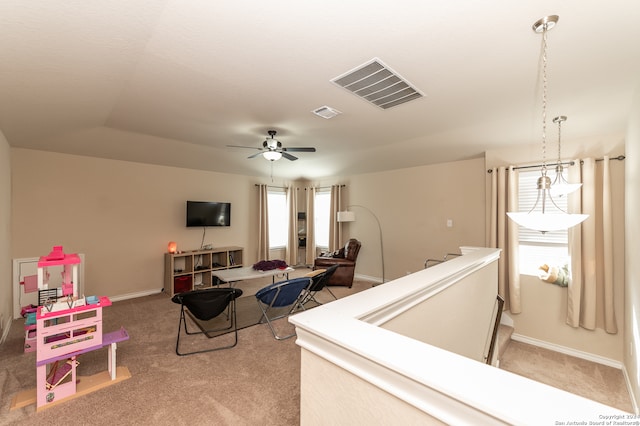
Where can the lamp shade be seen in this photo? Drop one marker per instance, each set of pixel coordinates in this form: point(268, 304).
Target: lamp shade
point(346, 216)
point(560, 189)
point(172, 247)
point(546, 222)
point(272, 155)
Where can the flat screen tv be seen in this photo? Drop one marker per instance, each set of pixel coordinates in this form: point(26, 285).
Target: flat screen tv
point(208, 213)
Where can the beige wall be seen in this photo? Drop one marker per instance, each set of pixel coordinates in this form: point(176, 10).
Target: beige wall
point(121, 215)
point(6, 313)
point(413, 206)
point(632, 266)
point(544, 305)
point(468, 330)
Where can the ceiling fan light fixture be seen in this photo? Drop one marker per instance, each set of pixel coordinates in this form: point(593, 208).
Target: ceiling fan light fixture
point(272, 155)
point(273, 150)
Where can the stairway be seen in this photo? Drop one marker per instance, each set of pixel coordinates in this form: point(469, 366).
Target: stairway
point(504, 338)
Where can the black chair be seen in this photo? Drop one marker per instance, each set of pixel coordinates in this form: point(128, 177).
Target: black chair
point(319, 281)
point(278, 296)
point(205, 305)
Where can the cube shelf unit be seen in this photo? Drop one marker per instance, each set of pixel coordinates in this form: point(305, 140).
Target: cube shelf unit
point(192, 270)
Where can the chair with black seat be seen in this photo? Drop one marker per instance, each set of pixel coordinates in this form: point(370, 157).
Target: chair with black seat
point(282, 299)
point(205, 305)
point(319, 280)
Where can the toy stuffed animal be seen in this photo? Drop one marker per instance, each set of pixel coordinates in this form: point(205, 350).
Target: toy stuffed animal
point(554, 274)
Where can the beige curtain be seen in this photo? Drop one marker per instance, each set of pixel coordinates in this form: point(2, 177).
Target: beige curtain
point(291, 251)
point(503, 234)
point(335, 227)
point(311, 236)
point(263, 224)
point(590, 292)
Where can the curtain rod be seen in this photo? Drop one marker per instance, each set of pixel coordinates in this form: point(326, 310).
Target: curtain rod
point(271, 186)
point(567, 163)
point(284, 187)
point(325, 187)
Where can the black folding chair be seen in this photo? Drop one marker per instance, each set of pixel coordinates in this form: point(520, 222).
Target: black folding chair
point(205, 305)
point(318, 283)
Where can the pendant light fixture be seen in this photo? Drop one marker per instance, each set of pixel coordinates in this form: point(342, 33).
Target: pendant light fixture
point(560, 186)
point(542, 219)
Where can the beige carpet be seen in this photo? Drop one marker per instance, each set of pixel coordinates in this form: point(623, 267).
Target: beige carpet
point(589, 379)
point(257, 382)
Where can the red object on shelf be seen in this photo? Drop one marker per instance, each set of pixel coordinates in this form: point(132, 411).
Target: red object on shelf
point(182, 284)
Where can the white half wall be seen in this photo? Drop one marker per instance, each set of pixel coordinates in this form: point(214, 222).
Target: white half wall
point(419, 383)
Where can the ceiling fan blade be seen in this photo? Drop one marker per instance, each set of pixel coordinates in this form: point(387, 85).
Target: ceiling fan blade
point(241, 146)
point(289, 156)
point(255, 155)
point(299, 149)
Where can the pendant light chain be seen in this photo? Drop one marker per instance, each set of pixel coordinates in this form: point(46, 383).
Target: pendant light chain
point(560, 120)
point(544, 100)
point(541, 220)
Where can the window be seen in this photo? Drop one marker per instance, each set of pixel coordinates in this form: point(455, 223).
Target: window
point(278, 218)
point(536, 248)
point(322, 214)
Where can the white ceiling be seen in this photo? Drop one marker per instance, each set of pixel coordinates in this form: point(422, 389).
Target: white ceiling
point(173, 82)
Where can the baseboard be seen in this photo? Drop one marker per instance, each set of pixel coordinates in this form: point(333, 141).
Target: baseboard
point(568, 351)
point(134, 295)
point(630, 390)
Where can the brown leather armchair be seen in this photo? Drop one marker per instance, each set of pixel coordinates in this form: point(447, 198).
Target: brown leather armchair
point(345, 258)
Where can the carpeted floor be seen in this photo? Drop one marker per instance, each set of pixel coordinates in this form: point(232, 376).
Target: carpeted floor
point(589, 379)
point(257, 382)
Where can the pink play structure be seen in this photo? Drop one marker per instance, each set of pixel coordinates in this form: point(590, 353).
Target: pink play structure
point(69, 264)
point(65, 328)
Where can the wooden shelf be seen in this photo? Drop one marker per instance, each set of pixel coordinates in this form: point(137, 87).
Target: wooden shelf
point(191, 270)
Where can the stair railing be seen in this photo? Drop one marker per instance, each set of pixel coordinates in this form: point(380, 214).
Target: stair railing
point(496, 325)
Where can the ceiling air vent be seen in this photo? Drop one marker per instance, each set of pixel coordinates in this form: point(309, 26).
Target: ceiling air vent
point(378, 84)
point(326, 112)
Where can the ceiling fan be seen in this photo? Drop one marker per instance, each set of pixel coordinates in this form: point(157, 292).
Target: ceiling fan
point(272, 149)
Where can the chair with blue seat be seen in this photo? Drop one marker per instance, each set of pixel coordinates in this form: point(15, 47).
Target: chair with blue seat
point(282, 298)
point(205, 305)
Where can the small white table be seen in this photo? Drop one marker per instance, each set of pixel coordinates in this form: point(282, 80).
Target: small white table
point(247, 273)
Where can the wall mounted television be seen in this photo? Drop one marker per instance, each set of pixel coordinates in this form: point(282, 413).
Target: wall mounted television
point(208, 213)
